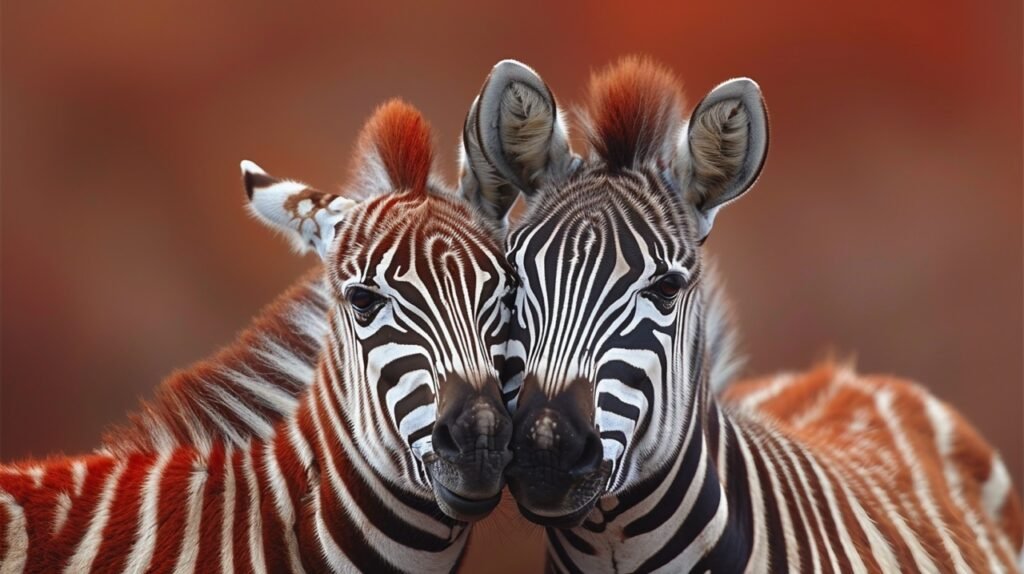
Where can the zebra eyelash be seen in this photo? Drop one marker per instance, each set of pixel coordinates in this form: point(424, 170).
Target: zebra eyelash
point(366, 312)
point(664, 289)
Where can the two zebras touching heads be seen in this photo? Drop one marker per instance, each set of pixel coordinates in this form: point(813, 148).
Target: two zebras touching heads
point(383, 404)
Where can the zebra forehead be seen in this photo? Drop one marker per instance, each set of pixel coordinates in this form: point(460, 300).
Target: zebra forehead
point(431, 228)
point(630, 211)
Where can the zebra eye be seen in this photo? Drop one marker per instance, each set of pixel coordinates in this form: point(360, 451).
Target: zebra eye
point(668, 286)
point(363, 300)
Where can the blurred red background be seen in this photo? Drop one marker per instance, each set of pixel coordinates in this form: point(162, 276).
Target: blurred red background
point(886, 226)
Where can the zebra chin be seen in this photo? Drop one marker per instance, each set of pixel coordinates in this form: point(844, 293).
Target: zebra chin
point(555, 499)
point(468, 499)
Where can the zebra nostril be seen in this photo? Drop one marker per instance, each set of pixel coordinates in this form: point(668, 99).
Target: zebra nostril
point(590, 457)
point(444, 442)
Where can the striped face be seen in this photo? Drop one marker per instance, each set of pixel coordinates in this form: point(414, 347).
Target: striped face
point(419, 327)
point(422, 300)
point(607, 268)
point(605, 347)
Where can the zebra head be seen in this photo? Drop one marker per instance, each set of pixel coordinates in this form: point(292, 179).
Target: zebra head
point(605, 347)
point(418, 331)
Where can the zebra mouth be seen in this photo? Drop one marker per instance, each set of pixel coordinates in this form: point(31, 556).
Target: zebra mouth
point(570, 520)
point(557, 499)
point(462, 508)
point(460, 504)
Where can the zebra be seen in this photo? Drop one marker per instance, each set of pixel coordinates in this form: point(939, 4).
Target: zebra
point(621, 448)
point(398, 443)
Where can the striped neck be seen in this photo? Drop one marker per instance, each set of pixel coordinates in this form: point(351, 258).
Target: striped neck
point(692, 513)
point(281, 504)
point(305, 498)
point(371, 508)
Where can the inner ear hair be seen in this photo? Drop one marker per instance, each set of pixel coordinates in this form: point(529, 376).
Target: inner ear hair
point(719, 146)
point(518, 128)
point(723, 148)
point(526, 124)
point(480, 184)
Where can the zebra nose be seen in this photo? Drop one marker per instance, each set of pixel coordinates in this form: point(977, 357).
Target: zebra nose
point(553, 440)
point(478, 425)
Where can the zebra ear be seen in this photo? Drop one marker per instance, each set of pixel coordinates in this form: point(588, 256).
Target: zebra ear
point(723, 149)
point(479, 182)
point(514, 140)
point(307, 216)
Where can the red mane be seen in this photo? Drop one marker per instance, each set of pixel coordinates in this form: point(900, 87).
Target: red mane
point(399, 136)
point(633, 110)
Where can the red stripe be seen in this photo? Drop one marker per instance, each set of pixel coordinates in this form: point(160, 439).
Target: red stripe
point(53, 556)
point(275, 551)
point(208, 559)
point(171, 510)
point(123, 525)
point(240, 530)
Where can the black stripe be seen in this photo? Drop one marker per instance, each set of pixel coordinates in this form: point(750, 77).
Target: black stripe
point(613, 404)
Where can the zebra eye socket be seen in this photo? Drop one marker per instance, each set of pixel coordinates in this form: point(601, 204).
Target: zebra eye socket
point(668, 286)
point(363, 300)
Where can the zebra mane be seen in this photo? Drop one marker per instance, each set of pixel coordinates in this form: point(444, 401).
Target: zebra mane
point(722, 337)
point(241, 391)
point(395, 150)
point(633, 113)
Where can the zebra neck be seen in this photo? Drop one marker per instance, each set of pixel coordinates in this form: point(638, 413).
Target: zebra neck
point(366, 519)
point(275, 505)
point(693, 514)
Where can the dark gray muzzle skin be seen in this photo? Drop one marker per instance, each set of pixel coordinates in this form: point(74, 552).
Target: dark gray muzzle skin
point(558, 472)
point(471, 451)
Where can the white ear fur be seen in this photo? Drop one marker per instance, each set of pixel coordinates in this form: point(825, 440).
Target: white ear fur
point(723, 148)
point(307, 216)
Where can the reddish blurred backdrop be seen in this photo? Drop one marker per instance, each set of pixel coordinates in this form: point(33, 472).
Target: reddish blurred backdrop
point(886, 226)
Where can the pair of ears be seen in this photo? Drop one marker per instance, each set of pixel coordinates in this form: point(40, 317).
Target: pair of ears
point(515, 139)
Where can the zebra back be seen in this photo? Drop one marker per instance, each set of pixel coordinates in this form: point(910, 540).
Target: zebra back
point(242, 390)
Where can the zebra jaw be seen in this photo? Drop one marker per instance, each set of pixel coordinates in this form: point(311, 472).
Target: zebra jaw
point(456, 505)
point(581, 496)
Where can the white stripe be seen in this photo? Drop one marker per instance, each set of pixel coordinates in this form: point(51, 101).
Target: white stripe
point(773, 389)
point(807, 537)
point(259, 564)
point(78, 476)
point(37, 473)
point(17, 536)
point(883, 401)
point(190, 539)
point(780, 493)
point(995, 489)
point(881, 550)
point(82, 560)
point(922, 559)
point(332, 553)
point(704, 541)
point(145, 537)
point(283, 503)
point(942, 428)
point(838, 518)
point(227, 547)
point(60, 514)
point(759, 551)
